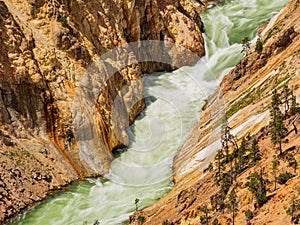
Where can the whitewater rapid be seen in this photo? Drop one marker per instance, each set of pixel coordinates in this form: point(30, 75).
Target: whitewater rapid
point(174, 102)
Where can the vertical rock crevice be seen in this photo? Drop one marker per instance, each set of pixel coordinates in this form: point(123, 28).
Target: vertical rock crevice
point(47, 49)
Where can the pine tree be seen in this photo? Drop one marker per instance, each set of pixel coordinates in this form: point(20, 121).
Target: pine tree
point(258, 186)
point(239, 155)
point(294, 109)
point(286, 94)
point(233, 204)
point(220, 166)
point(254, 152)
point(295, 206)
point(214, 199)
point(258, 45)
point(204, 219)
point(225, 185)
point(249, 216)
point(245, 45)
point(136, 201)
point(278, 130)
point(225, 139)
point(216, 222)
point(293, 163)
point(217, 202)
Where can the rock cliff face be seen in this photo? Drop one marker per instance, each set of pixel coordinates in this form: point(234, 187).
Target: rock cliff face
point(244, 95)
point(46, 49)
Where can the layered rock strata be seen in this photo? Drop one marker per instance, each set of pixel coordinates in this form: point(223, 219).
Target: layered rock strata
point(245, 96)
point(47, 48)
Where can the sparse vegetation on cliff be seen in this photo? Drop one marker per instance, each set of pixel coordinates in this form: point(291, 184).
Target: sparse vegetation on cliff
point(245, 45)
point(258, 45)
point(48, 48)
point(245, 156)
point(258, 186)
point(141, 219)
point(278, 129)
point(294, 209)
point(269, 67)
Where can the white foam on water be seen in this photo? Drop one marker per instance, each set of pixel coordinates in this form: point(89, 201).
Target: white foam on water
point(144, 171)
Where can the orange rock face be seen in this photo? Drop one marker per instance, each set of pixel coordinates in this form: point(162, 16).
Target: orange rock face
point(252, 80)
point(47, 48)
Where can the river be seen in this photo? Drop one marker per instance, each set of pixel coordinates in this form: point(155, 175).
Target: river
point(144, 170)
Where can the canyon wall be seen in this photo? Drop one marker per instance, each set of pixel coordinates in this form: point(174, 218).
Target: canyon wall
point(244, 96)
point(55, 127)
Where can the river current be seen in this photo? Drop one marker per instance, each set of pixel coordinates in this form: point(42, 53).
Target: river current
point(144, 170)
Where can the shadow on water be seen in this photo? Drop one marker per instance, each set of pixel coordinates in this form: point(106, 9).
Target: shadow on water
point(143, 169)
point(148, 80)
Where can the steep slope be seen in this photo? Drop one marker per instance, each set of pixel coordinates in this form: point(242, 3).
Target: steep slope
point(244, 96)
point(46, 49)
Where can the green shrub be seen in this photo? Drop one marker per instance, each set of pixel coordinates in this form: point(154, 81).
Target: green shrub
point(215, 222)
point(249, 215)
point(284, 177)
point(259, 45)
point(141, 219)
point(64, 21)
point(258, 186)
point(166, 222)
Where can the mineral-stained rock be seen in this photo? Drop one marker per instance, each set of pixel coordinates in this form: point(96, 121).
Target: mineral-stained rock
point(245, 95)
point(60, 116)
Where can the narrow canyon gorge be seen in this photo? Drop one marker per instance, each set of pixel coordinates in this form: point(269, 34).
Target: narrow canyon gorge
point(46, 48)
point(65, 117)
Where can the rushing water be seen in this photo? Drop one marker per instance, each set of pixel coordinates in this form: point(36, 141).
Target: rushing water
point(144, 170)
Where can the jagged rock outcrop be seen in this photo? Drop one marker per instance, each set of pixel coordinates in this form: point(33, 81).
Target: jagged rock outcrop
point(244, 95)
point(46, 49)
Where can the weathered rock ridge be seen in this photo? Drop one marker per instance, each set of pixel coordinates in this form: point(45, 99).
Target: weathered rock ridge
point(46, 49)
point(244, 95)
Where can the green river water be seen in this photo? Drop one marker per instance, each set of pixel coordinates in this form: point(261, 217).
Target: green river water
point(144, 171)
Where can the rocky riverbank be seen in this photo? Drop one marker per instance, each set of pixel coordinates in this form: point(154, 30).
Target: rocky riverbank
point(46, 48)
point(244, 96)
